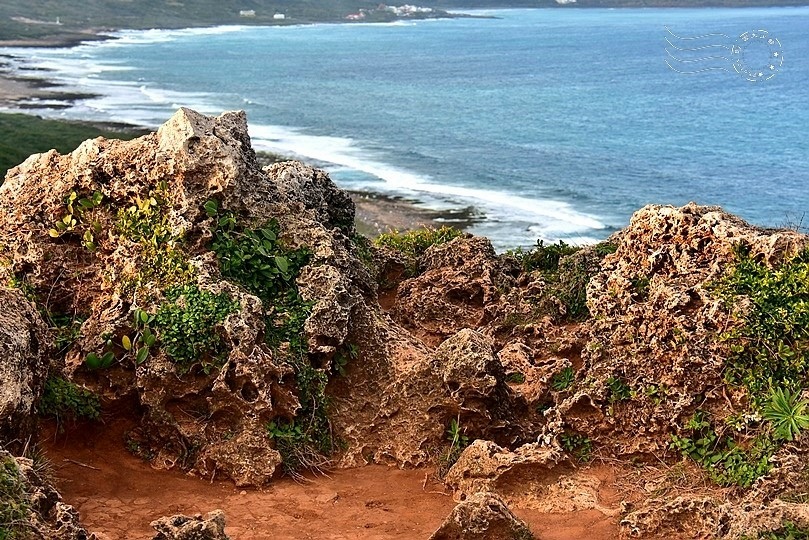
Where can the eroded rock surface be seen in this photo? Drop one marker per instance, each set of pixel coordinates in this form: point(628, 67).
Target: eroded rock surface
point(211, 527)
point(24, 366)
point(482, 516)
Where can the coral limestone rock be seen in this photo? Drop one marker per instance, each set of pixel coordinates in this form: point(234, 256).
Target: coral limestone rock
point(179, 527)
point(24, 366)
point(482, 516)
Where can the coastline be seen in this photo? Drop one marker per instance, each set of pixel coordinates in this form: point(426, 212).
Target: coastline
point(376, 213)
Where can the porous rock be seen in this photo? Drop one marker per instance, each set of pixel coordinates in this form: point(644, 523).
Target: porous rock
point(180, 527)
point(482, 516)
point(45, 515)
point(24, 366)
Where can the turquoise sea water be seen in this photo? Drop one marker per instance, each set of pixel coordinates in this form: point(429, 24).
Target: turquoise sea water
point(553, 124)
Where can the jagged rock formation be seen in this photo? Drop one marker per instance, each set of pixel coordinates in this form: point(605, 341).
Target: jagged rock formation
point(232, 305)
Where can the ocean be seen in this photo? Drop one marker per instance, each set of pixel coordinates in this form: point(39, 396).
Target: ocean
point(546, 123)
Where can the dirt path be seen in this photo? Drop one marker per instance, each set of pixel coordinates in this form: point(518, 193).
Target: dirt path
point(121, 494)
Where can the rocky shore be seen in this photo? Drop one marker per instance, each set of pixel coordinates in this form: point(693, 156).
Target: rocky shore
point(238, 326)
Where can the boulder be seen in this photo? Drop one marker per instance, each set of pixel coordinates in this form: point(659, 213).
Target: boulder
point(180, 527)
point(482, 516)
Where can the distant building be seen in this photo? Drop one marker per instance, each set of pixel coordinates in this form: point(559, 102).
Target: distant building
point(355, 16)
point(247, 13)
point(279, 16)
point(565, 1)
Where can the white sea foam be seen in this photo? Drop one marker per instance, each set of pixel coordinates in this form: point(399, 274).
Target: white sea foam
point(542, 218)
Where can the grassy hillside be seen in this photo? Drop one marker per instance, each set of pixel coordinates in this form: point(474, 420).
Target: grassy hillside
point(24, 18)
point(22, 135)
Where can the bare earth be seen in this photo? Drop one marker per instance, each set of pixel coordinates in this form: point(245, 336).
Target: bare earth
point(118, 495)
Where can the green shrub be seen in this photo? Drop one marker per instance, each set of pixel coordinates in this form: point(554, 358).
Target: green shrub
point(787, 531)
point(725, 460)
point(580, 446)
point(458, 441)
point(415, 243)
point(62, 399)
point(567, 271)
point(787, 414)
point(165, 263)
point(541, 257)
point(770, 348)
point(186, 326)
point(14, 509)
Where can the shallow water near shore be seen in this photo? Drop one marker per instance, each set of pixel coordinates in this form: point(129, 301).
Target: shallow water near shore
point(553, 124)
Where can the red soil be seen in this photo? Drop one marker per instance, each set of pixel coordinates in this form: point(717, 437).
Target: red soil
point(118, 495)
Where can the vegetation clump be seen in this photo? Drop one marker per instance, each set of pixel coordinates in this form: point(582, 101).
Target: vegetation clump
point(566, 270)
point(145, 224)
point(62, 399)
point(186, 326)
point(14, 509)
point(458, 441)
point(769, 359)
point(413, 244)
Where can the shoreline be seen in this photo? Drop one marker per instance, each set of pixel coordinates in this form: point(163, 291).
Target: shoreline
point(376, 213)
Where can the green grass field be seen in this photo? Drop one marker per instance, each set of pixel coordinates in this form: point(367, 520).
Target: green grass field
point(22, 135)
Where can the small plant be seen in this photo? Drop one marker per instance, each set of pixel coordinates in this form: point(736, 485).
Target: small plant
point(63, 399)
point(79, 210)
point(640, 284)
point(186, 326)
point(515, 377)
point(580, 446)
point(787, 531)
point(145, 224)
point(458, 441)
point(787, 413)
point(562, 380)
point(541, 257)
point(619, 390)
point(66, 329)
point(298, 449)
point(341, 359)
point(727, 462)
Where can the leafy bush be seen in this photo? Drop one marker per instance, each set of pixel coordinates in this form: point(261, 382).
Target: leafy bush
point(146, 224)
point(458, 441)
point(62, 399)
point(567, 271)
point(414, 243)
point(580, 446)
point(787, 531)
point(727, 462)
point(541, 257)
point(770, 349)
point(186, 326)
